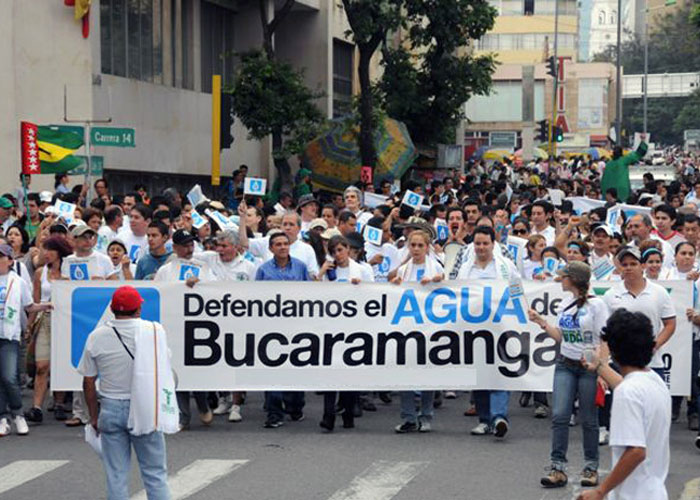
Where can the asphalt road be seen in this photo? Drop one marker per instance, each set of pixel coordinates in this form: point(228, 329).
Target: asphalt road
point(297, 461)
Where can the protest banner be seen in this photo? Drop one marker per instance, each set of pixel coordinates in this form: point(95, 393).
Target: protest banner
point(330, 336)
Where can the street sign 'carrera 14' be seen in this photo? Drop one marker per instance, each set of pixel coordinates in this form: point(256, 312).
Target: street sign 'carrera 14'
point(112, 136)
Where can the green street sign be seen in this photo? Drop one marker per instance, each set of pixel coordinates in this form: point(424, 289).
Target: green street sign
point(670, 2)
point(112, 136)
point(97, 166)
point(76, 129)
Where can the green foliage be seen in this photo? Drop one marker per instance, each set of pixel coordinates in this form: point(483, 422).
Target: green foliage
point(695, 17)
point(689, 116)
point(371, 20)
point(270, 98)
point(427, 86)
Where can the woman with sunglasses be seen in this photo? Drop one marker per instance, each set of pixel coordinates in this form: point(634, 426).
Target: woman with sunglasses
point(520, 228)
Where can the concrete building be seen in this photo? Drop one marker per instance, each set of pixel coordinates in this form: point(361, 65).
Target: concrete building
point(147, 65)
point(585, 106)
point(598, 25)
point(524, 31)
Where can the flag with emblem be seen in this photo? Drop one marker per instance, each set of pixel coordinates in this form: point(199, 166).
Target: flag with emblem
point(46, 150)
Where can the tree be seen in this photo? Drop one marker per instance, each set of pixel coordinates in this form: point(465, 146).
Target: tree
point(270, 98)
point(426, 85)
point(370, 21)
point(269, 26)
point(689, 116)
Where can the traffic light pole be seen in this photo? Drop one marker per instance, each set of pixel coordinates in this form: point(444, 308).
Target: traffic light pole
point(215, 130)
point(555, 85)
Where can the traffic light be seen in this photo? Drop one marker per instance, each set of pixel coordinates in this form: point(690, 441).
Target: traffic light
point(226, 121)
point(558, 134)
point(542, 131)
point(552, 66)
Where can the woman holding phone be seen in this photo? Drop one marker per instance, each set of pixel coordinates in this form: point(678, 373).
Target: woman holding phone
point(579, 325)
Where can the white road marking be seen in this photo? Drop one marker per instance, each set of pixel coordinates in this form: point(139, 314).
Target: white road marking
point(380, 481)
point(22, 471)
point(196, 476)
point(691, 490)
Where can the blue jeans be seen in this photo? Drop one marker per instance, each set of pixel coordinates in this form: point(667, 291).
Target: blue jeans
point(491, 405)
point(116, 453)
point(10, 392)
point(278, 402)
point(570, 380)
point(408, 406)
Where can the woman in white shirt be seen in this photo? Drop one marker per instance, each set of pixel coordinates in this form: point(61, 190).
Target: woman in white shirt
point(578, 328)
point(532, 265)
point(123, 267)
point(420, 268)
point(341, 269)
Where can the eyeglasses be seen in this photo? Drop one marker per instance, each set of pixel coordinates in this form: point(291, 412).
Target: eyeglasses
point(519, 231)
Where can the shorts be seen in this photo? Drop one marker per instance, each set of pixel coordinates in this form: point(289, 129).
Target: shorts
point(42, 343)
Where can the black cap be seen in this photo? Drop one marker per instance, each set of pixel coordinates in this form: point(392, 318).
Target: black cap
point(625, 251)
point(183, 237)
point(376, 222)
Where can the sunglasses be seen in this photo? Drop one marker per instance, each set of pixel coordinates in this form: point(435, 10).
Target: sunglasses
point(519, 231)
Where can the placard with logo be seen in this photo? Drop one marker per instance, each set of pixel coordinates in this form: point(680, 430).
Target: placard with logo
point(413, 200)
point(254, 186)
point(373, 235)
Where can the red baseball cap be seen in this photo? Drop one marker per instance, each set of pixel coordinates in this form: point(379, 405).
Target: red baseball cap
point(126, 298)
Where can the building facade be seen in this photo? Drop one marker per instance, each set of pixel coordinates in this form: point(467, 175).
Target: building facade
point(147, 65)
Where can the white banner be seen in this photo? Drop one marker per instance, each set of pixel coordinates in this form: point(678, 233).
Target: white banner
point(331, 336)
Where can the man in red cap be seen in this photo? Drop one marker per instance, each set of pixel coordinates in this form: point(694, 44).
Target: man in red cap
point(109, 354)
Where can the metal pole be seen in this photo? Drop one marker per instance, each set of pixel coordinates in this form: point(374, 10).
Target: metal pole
point(646, 61)
point(555, 86)
point(618, 102)
point(88, 161)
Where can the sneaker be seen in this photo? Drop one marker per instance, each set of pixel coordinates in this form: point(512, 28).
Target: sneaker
point(59, 413)
point(437, 400)
point(450, 395)
point(541, 411)
point(4, 427)
point(470, 412)
point(572, 420)
point(589, 478)
point(693, 422)
point(603, 436)
point(406, 427)
point(327, 423)
point(235, 414)
point(223, 407)
point(206, 418)
point(273, 423)
point(21, 426)
point(481, 429)
point(425, 427)
point(555, 479)
point(183, 427)
point(385, 397)
point(500, 428)
point(297, 417)
point(524, 400)
point(368, 405)
point(697, 440)
point(34, 415)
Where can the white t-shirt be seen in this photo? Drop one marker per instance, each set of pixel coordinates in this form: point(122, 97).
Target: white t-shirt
point(390, 262)
point(654, 302)
point(487, 273)
point(549, 234)
point(177, 269)
point(354, 270)
point(25, 300)
point(96, 265)
point(104, 355)
point(239, 269)
point(641, 417)
point(105, 236)
point(581, 328)
point(135, 245)
point(416, 272)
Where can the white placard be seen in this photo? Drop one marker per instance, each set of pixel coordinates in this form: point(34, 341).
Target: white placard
point(443, 231)
point(413, 200)
point(373, 200)
point(65, 210)
point(220, 219)
point(196, 196)
point(255, 186)
point(373, 235)
point(197, 220)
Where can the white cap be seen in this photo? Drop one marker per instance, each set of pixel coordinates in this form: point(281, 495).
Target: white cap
point(46, 196)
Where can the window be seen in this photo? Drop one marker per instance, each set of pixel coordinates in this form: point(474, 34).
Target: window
point(601, 17)
point(130, 39)
point(613, 17)
point(529, 7)
point(217, 44)
point(342, 77)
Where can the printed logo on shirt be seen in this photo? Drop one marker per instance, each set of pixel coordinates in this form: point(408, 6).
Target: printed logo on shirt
point(187, 272)
point(90, 307)
point(79, 272)
point(419, 274)
point(385, 265)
